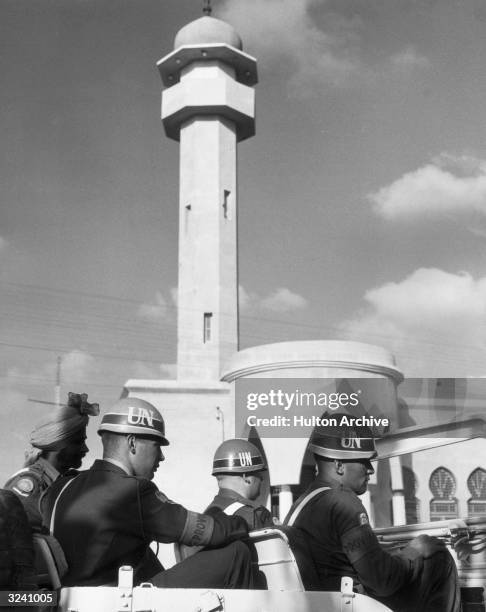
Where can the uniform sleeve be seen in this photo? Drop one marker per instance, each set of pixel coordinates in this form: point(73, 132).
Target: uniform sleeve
point(27, 487)
point(380, 573)
point(166, 521)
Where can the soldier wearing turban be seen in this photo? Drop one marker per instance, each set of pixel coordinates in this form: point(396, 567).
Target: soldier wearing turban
point(57, 445)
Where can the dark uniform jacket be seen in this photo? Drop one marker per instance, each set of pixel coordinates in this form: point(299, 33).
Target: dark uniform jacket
point(16, 545)
point(29, 484)
point(105, 518)
point(342, 543)
point(255, 515)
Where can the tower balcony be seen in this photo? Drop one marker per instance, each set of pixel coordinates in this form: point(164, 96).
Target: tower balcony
point(244, 65)
point(221, 96)
point(209, 80)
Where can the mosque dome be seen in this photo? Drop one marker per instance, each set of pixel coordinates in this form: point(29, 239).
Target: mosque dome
point(207, 30)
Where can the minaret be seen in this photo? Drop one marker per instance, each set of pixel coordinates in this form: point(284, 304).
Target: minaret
point(208, 106)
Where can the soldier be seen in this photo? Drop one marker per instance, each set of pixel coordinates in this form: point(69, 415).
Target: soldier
point(331, 517)
point(58, 444)
point(239, 467)
point(107, 516)
point(17, 571)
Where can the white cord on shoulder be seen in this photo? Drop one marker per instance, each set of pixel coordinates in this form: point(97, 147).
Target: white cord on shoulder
point(291, 519)
point(51, 525)
point(232, 508)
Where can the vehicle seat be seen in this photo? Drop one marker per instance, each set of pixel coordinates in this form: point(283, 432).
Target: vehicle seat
point(275, 562)
point(50, 562)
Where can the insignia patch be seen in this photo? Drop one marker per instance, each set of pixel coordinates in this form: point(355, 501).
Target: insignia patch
point(363, 519)
point(24, 486)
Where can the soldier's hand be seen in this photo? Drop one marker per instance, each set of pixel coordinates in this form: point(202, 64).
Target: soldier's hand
point(463, 549)
point(427, 545)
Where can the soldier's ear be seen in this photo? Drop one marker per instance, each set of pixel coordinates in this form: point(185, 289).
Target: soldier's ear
point(132, 445)
point(339, 467)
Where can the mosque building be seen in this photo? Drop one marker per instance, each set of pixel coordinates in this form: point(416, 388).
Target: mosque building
point(208, 106)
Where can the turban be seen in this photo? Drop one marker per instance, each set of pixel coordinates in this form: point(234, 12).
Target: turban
point(52, 432)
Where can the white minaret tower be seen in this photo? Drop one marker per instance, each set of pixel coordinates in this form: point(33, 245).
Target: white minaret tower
point(208, 106)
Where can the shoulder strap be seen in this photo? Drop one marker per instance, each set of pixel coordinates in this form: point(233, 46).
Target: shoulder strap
point(293, 514)
point(54, 508)
point(232, 508)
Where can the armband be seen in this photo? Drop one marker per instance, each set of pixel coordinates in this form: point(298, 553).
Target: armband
point(198, 529)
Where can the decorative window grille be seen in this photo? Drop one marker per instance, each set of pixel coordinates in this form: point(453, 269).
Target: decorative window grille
point(476, 483)
point(443, 487)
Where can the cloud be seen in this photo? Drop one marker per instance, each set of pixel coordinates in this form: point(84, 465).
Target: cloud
point(280, 300)
point(283, 32)
point(163, 371)
point(14, 401)
point(463, 165)
point(244, 298)
point(449, 184)
point(75, 367)
point(3, 243)
point(283, 300)
point(160, 309)
point(18, 416)
point(434, 322)
point(155, 311)
point(409, 59)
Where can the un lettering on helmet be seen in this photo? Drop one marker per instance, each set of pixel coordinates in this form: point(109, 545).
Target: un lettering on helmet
point(140, 416)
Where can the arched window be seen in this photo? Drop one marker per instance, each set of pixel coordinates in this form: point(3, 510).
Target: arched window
point(412, 503)
point(476, 483)
point(443, 487)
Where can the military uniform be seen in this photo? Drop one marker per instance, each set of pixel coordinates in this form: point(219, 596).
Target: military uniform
point(29, 484)
point(230, 502)
point(342, 543)
point(16, 546)
point(105, 518)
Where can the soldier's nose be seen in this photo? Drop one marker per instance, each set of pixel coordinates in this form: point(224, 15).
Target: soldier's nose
point(369, 468)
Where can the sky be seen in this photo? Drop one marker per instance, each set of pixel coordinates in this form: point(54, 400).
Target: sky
point(362, 196)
